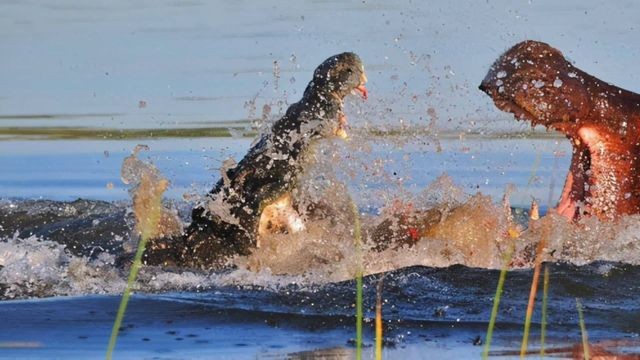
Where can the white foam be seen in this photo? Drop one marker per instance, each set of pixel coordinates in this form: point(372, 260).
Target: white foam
point(323, 253)
point(470, 230)
point(38, 268)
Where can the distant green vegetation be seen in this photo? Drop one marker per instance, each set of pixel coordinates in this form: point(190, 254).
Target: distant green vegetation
point(239, 129)
point(72, 133)
point(415, 131)
point(56, 116)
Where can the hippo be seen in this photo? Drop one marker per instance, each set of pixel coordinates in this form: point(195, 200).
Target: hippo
point(535, 82)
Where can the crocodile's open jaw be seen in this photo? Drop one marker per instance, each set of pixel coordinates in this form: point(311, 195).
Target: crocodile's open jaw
point(341, 128)
point(361, 89)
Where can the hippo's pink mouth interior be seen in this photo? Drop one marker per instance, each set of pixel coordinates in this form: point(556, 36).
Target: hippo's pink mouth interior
point(573, 202)
point(575, 196)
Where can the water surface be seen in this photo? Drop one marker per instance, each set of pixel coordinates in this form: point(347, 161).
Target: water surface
point(83, 84)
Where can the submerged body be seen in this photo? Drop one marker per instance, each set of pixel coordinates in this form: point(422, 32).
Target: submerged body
point(227, 222)
point(535, 82)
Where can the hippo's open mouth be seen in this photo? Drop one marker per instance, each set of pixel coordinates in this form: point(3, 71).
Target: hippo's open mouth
point(535, 82)
point(517, 111)
point(583, 176)
point(574, 201)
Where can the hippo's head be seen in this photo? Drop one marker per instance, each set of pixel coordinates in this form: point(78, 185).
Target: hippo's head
point(535, 82)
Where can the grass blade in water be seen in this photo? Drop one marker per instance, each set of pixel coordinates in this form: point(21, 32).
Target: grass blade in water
point(534, 288)
point(545, 293)
point(379, 319)
point(148, 187)
point(514, 233)
point(583, 331)
point(358, 240)
point(494, 310)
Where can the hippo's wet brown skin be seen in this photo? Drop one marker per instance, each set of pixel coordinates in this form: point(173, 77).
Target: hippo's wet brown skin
point(227, 222)
point(535, 82)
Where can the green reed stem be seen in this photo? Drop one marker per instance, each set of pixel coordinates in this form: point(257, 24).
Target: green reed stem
point(147, 206)
point(583, 330)
point(379, 319)
point(133, 273)
point(545, 293)
point(357, 234)
point(532, 296)
point(529, 313)
point(496, 302)
point(359, 316)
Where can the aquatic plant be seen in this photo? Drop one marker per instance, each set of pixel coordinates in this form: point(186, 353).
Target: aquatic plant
point(357, 235)
point(534, 282)
point(543, 321)
point(512, 234)
point(148, 188)
point(379, 318)
point(583, 330)
point(496, 304)
point(75, 133)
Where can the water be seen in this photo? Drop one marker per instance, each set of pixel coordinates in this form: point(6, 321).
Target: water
point(88, 168)
point(427, 311)
point(290, 298)
point(83, 85)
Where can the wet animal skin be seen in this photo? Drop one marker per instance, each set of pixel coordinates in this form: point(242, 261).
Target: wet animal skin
point(227, 222)
point(535, 82)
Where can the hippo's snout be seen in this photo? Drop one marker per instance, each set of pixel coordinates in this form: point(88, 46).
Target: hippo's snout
point(486, 85)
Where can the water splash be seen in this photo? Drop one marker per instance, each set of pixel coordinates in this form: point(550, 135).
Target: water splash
point(146, 186)
point(147, 190)
point(453, 227)
point(32, 267)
